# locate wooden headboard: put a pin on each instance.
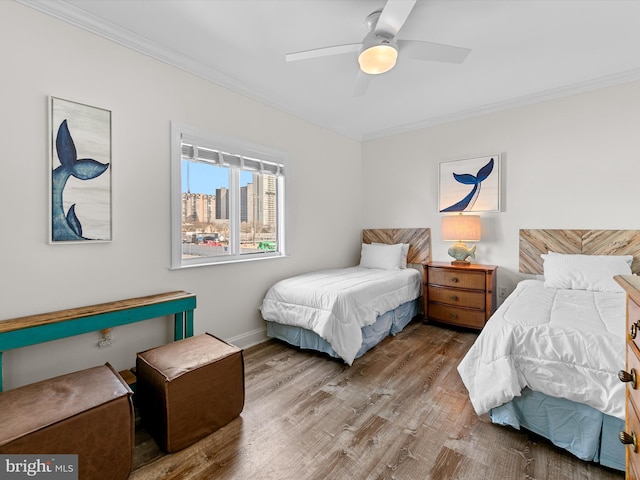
(587, 242)
(418, 238)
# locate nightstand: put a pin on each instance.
(459, 295)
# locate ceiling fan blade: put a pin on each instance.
(393, 16)
(362, 83)
(434, 52)
(322, 52)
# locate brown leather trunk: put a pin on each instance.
(88, 413)
(188, 389)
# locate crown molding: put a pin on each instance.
(69, 13)
(73, 15)
(538, 97)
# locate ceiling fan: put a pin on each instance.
(378, 51)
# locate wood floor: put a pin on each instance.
(400, 412)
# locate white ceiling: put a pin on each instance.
(523, 51)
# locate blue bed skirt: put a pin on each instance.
(389, 323)
(582, 430)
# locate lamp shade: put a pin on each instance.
(460, 228)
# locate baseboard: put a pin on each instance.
(249, 339)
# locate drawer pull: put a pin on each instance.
(634, 330)
(454, 280)
(454, 297)
(629, 377)
(454, 316)
(627, 439)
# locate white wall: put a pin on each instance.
(42, 56)
(567, 163)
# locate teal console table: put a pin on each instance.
(25, 331)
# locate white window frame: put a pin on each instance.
(238, 148)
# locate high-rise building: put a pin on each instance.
(268, 196)
(247, 203)
(258, 200)
(198, 207)
(222, 203)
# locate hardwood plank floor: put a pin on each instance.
(400, 412)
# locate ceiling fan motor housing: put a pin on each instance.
(378, 52)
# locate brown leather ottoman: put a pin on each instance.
(88, 413)
(188, 389)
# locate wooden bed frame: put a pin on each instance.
(535, 242)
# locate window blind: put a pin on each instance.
(193, 152)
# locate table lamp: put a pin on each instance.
(459, 228)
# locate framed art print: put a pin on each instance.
(470, 185)
(80, 172)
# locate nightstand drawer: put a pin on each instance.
(456, 315)
(457, 278)
(452, 296)
(632, 426)
(633, 363)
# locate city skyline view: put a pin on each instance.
(202, 211)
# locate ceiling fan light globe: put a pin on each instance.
(378, 59)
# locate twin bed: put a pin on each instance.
(547, 360)
(346, 312)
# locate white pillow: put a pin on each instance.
(403, 256)
(628, 258)
(381, 256)
(585, 272)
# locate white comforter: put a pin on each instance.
(564, 343)
(337, 303)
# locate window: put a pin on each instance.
(227, 199)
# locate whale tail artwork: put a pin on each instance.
(67, 226)
(468, 179)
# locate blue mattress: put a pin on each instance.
(389, 323)
(580, 429)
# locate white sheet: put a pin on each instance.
(337, 303)
(564, 343)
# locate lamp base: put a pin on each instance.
(461, 252)
(460, 263)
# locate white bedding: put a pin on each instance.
(337, 303)
(564, 343)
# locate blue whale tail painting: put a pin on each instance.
(67, 226)
(467, 179)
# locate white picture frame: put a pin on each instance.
(470, 185)
(80, 167)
